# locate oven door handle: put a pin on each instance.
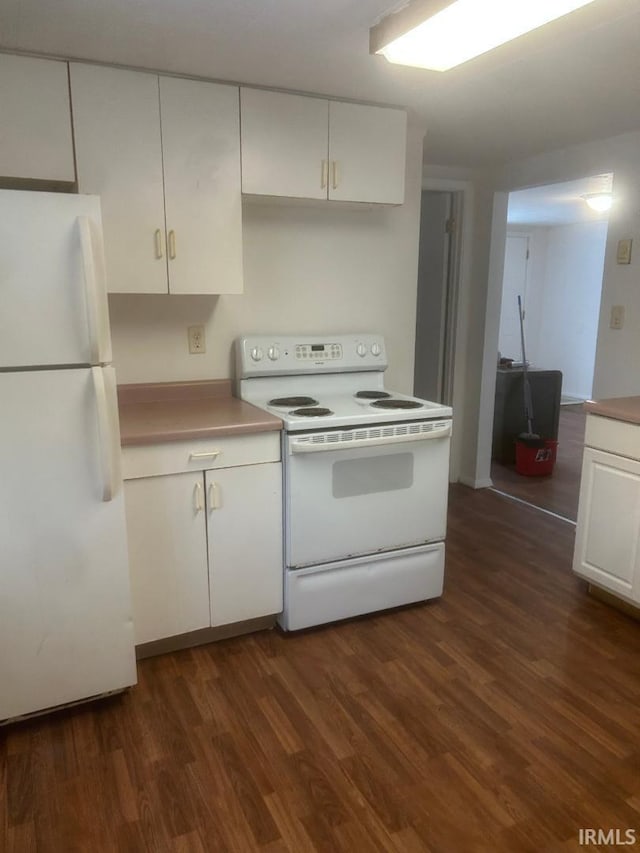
(304, 446)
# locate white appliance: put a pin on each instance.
(365, 475)
(66, 630)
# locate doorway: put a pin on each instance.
(554, 260)
(436, 308)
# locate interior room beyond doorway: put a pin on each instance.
(554, 261)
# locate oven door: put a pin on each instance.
(352, 492)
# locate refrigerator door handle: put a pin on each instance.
(108, 430)
(95, 292)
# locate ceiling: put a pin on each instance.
(558, 204)
(574, 80)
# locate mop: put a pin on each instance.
(530, 438)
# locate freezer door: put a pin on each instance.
(66, 630)
(53, 303)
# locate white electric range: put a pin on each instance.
(365, 475)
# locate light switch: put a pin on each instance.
(617, 317)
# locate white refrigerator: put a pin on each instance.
(66, 629)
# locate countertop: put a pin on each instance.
(173, 411)
(617, 408)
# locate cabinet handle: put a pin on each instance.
(334, 173)
(158, 238)
(172, 245)
(215, 498)
(204, 454)
(197, 497)
(324, 174)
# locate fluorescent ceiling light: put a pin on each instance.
(600, 202)
(439, 34)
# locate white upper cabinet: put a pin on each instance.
(201, 154)
(302, 147)
(284, 144)
(367, 153)
(35, 120)
(116, 118)
(164, 156)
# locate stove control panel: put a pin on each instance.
(261, 355)
(318, 351)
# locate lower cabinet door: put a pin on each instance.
(166, 527)
(607, 548)
(244, 516)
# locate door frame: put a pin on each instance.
(457, 313)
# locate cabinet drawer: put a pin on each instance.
(174, 457)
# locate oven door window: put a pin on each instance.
(372, 474)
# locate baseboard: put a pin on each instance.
(483, 483)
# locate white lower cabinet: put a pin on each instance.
(607, 549)
(244, 511)
(205, 546)
(167, 533)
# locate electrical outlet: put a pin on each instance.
(197, 343)
(617, 317)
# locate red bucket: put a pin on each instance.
(535, 457)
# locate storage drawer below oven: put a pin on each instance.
(320, 594)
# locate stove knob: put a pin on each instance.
(273, 353)
(361, 350)
(256, 354)
(376, 349)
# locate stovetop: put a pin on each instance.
(340, 409)
(341, 385)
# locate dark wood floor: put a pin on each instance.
(503, 717)
(558, 492)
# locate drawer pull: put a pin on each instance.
(172, 245)
(204, 454)
(215, 497)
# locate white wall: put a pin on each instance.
(618, 352)
(570, 304)
(564, 282)
(306, 269)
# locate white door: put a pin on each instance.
(367, 153)
(201, 155)
(116, 121)
(36, 123)
(66, 631)
(168, 555)
(514, 284)
(346, 502)
(52, 299)
(607, 549)
(284, 144)
(244, 508)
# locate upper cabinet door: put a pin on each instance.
(201, 152)
(116, 118)
(35, 134)
(367, 152)
(284, 144)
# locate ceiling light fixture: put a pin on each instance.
(600, 202)
(439, 34)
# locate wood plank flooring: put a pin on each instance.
(503, 717)
(558, 492)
